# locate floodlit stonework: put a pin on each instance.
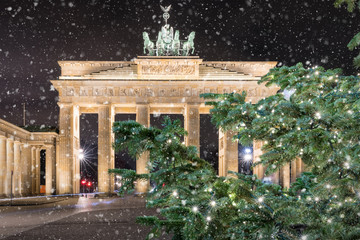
(147, 85)
(144, 86)
(20, 160)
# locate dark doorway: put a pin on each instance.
(123, 159)
(209, 141)
(42, 167)
(89, 147)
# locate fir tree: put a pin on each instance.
(319, 122)
(315, 117)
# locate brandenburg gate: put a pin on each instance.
(146, 85)
(166, 81)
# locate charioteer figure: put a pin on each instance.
(168, 44)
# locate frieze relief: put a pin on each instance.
(161, 91)
(84, 91)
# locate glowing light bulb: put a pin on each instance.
(213, 203)
(195, 209)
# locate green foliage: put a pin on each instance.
(197, 204)
(355, 42)
(318, 123)
(351, 4)
(315, 116)
(128, 177)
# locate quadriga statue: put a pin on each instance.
(148, 44)
(189, 45)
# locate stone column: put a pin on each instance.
(260, 169)
(105, 151)
(17, 171)
(68, 163)
(192, 125)
(293, 171)
(33, 170)
(9, 165)
(299, 167)
(25, 181)
(57, 166)
(228, 150)
(50, 171)
(285, 176)
(37, 170)
(142, 117)
(2, 165)
(222, 163)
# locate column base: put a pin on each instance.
(140, 194)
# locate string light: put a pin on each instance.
(195, 209)
(213, 203)
(347, 165)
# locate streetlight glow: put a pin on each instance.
(247, 157)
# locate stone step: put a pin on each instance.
(221, 74)
(114, 73)
(218, 72)
(123, 71)
(124, 68)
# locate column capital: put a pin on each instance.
(142, 104)
(49, 146)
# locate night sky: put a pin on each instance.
(35, 34)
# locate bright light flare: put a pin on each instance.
(247, 157)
